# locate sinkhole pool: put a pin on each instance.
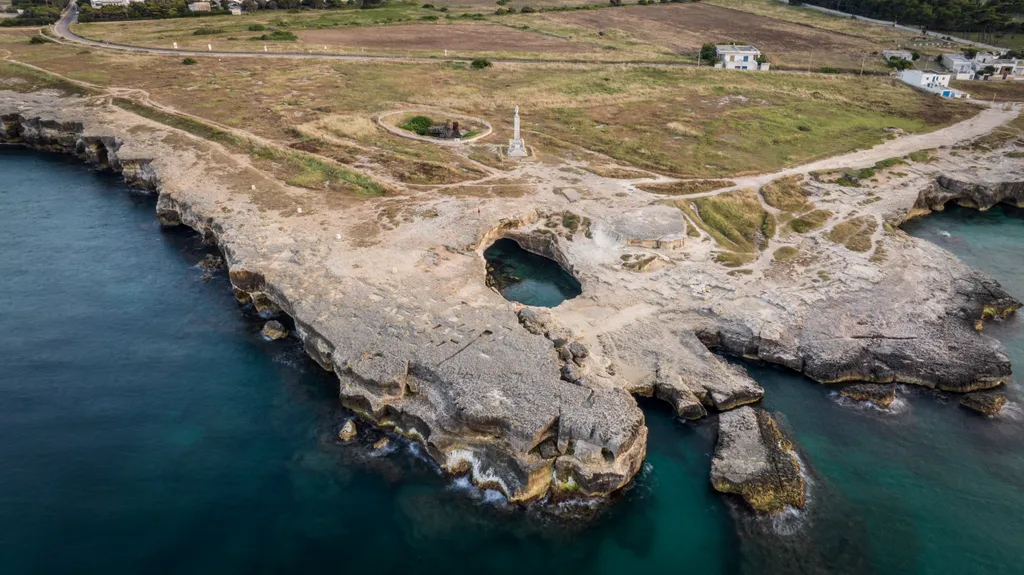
(528, 278)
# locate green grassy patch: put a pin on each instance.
(809, 221)
(854, 233)
(785, 253)
(787, 194)
(735, 220)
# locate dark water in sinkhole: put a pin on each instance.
(146, 427)
(527, 278)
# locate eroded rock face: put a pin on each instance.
(880, 395)
(973, 192)
(755, 461)
(984, 403)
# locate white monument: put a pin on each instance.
(516, 146)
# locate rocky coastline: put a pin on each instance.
(538, 404)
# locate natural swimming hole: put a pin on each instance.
(528, 278)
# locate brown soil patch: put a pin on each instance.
(685, 27)
(468, 37)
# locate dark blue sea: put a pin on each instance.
(146, 427)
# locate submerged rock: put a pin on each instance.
(382, 443)
(880, 395)
(273, 329)
(211, 263)
(984, 403)
(754, 460)
(347, 431)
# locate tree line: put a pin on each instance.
(35, 12)
(938, 15)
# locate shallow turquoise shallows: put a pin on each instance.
(146, 427)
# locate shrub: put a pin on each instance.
(280, 36)
(528, 10)
(417, 125)
(480, 63)
(204, 31)
(257, 28)
(502, 2)
(829, 70)
(707, 52)
(429, 18)
(615, 2)
(915, 56)
(37, 39)
(188, 61)
(428, 6)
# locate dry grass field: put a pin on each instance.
(466, 37)
(685, 27)
(688, 122)
(793, 37)
(992, 90)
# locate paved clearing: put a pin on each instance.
(685, 27)
(466, 37)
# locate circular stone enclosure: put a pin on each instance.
(477, 128)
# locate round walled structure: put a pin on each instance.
(448, 115)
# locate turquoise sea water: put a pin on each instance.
(528, 278)
(145, 426)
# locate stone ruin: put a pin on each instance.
(447, 131)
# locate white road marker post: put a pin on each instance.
(175, 45)
(209, 47)
(264, 47)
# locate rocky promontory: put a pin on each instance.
(881, 396)
(389, 294)
(984, 403)
(755, 461)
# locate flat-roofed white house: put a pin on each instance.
(932, 81)
(102, 3)
(898, 54)
(199, 6)
(735, 57)
(960, 66)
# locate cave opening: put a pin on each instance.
(528, 278)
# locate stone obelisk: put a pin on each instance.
(516, 146)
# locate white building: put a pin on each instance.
(932, 81)
(965, 68)
(960, 66)
(898, 54)
(199, 6)
(102, 3)
(733, 57)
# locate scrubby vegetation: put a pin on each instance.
(785, 253)
(188, 61)
(279, 36)
(417, 125)
(809, 221)
(295, 168)
(735, 220)
(787, 194)
(480, 63)
(686, 187)
(855, 233)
